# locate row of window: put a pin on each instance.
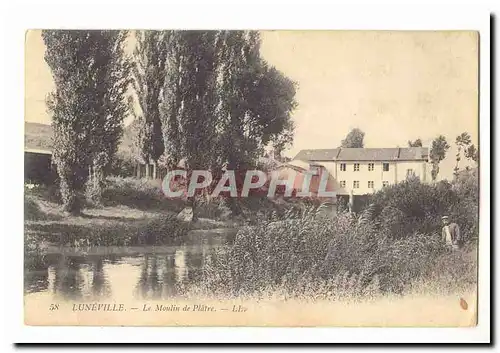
(371, 167)
(371, 184)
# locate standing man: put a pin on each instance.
(451, 234)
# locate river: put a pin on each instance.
(147, 272)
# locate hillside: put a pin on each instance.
(39, 136)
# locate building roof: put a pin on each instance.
(365, 154)
(37, 137)
(318, 155)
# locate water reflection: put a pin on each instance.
(153, 273)
(68, 278)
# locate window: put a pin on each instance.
(355, 184)
(386, 167)
(385, 183)
(371, 166)
(356, 167)
(371, 184)
(342, 183)
(342, 167)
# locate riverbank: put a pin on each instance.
(116, 229)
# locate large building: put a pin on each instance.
(362, 171)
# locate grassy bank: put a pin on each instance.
(133, 213)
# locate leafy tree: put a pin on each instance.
(471, 153)
(189, 100)
(87, 105)
(172, 100)
(437, 154)
(354, 139)
(416, 143)
(111, 81)
(222, 104)
(462, 141)
(197, 115)
(255, 103)
(150, 57)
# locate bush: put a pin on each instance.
(318, 258)
(49, 193)
(166, 229)
(144, 194)
(123, 167)
(411, 206)
(32, 210)
(388, 248)
(213, 208)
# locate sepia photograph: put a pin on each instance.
(277, 178)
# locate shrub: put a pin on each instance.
(144, 194)
(165, 229)
(213, 208)
(32, 210)
(313, 256)
(122, 166)
(411, 206)
(49, 193)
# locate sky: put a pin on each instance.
(394, 85)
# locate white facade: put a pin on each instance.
(369, 177)
(365, 176)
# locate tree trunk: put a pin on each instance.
(191, 202)
(71, 201)
(233, 206)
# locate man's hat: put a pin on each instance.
(444, 217)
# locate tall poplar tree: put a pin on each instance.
(87, 105)
(150, 57)
(437, 153)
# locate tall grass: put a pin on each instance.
(394, 246)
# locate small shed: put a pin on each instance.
(38, 164)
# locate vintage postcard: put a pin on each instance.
(251, 178)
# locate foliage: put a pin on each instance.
(416, 143)
(144, 194)
(32, 210)
(465, 211)
(50, 193)
(87, 106)
(354, 139)
(412, 206)
(437, 154)
(472, 153)
(195, 119)
(150, 57)
(328, 259)
(164, 229)
(122, 166)
(462, 141)
(222, 103)
(393, 246)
